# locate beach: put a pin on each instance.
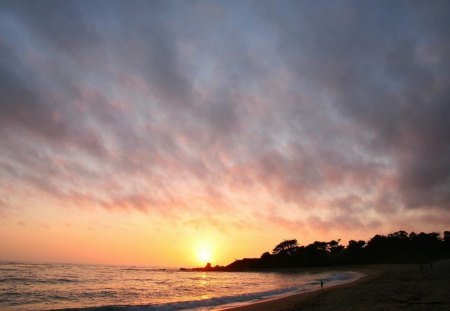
(385, 287)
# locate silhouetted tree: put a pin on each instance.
(397, 247)
(446, 246)
(446, 236)
(336, 252)
(399, 235)
(285, 246)
(265, 255)
(355, 252)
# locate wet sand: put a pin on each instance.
(386, 287)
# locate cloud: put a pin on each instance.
(204, 113)
(383, 67)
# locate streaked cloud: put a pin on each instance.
(330, 116)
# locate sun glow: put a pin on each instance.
(204, 255)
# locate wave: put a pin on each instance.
(66, 294)
(342, 276)
(38, 281)
(196, 304)
(144, 269)
(337, 278)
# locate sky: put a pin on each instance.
(155, 132)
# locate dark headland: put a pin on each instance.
(396, 248)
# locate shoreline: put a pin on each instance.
(385, 287)
(289, 302)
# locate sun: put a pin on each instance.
(204, 254)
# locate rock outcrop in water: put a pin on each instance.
(208, 267)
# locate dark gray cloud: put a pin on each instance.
(323, 109)
(383, 66)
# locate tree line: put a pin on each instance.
(397, 247)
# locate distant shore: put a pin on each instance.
(385, 287)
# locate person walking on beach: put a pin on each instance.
(321, 284)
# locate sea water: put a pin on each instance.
(90, 287)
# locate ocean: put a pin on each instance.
(28, 287)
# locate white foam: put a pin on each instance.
(330, 279)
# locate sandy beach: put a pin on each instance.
(386, 287)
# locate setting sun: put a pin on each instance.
(204, 254)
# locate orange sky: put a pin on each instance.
(146, 133)
(77, 235)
